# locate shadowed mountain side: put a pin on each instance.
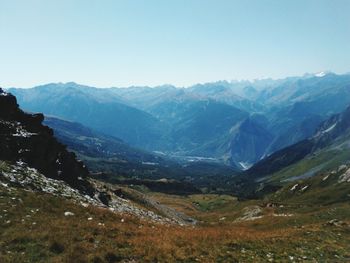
(25, 139)
(332, 131)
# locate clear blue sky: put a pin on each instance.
(150, 42)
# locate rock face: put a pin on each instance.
(249, 142)
(24, 138)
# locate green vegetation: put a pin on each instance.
(325, 160)
(211, 202)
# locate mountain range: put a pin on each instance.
(72, 188)
(236, 123)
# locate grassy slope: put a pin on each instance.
(323, 160)
(56, 238)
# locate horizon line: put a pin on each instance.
(230, 81)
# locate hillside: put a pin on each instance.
(332, 134)
(25, 139)
(94, 144)
(31, 159)
(326, 150)
(42, 227)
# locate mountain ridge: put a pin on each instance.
(172, 120)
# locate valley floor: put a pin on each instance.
(38, 227)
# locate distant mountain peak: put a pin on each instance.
(318, 74)
(322, 73)
(71, 83)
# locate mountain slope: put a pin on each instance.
(324, 89)
(98, 109)
(96, 144)
(114, 161)
(25, 139)
(297, 105)
(213, 129)
(249, 142)
(107, 154)
(198, 122)
(228, 93)
(332, 139)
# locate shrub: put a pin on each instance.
(111, 257)
(56, 247)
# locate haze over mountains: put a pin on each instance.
(332, 134)
(155, 136)
(301, 189)
(236, 123)
(326, 149)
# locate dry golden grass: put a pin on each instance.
(57, 238)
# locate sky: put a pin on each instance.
(121, 43)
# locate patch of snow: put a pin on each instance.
(321, 74)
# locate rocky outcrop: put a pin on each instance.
(24, 138)
(19, 175)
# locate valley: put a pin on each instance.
(210, 179)
(227, 230)
(187, 131)
(232, 122)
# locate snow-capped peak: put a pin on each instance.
(321, 74)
